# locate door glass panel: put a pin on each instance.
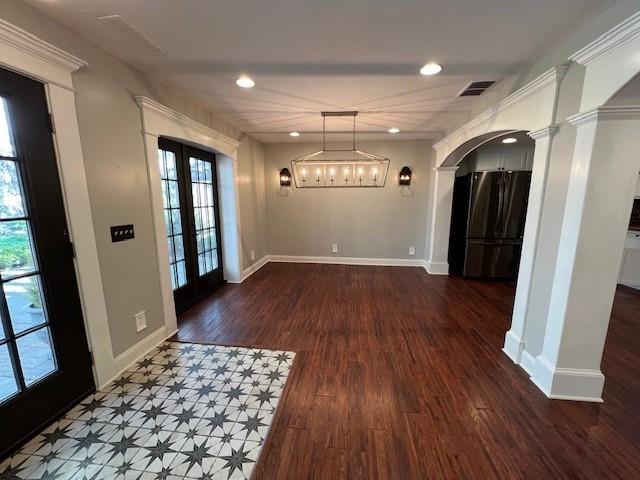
(8, 384)
(36, 355)
(7, 148)
(16, 253)
(172, 218)
(204, 215)
(24, 299)
(11, 205)
(19, 280)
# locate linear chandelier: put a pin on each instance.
(339, 168)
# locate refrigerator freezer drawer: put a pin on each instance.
(492, 259)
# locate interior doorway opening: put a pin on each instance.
(490, 199)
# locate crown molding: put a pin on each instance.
(605, 112)
(543, 132)
(149, 105)
(553, 76)
(618, 36)
(31, 45)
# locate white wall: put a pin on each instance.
(115, 163)
(367, 222)
(251, 183)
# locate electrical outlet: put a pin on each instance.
(253, 255)
(141, 320)
(412, 250)
(334, 248)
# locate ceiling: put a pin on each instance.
(307, 56)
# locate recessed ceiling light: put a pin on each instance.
(431, 69)
(245, 82)
(295, 134)
(510, 140)
(394, 130)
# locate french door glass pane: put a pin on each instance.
(16, 252)
(24, 299)
(25, 329)
(36, 355)
(8, 384)
(204, 215)
(11, 204)
(172, 218)
(7, 148)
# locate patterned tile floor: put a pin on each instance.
(184, 411)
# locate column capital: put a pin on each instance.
(543, 132)
(606, 112)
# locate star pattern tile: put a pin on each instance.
(184, 411)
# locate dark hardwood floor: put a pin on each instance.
(401, 375)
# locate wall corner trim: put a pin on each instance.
(609, 41)
(36, 47)
(606, 112)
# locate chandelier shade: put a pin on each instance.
(339, 168)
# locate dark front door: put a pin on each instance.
(45, 365)
(190, 198)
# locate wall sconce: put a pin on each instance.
(405, 176)
(285, 177)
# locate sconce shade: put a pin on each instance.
(285, 177)
(405, 176)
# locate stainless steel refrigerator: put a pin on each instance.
(487, 224)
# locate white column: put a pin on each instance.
(599, 200)
(438, 262)
(514, 339)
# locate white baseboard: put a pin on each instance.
(567, 383)
(513, 346)
(383, 262)
(139, 350)
(527, 362)
(247, 272)
(437, 268)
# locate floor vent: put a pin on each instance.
(475, 89)
(122, 26)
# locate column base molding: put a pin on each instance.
(567, 383)
(437, 268)
(513, 346)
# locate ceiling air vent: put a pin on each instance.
(122, 26)
(475, 89)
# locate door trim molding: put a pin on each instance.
(161, 121)
(24, 53)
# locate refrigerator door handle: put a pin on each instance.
(506, 197)
(498, 223)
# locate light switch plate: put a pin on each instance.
(141, 320)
